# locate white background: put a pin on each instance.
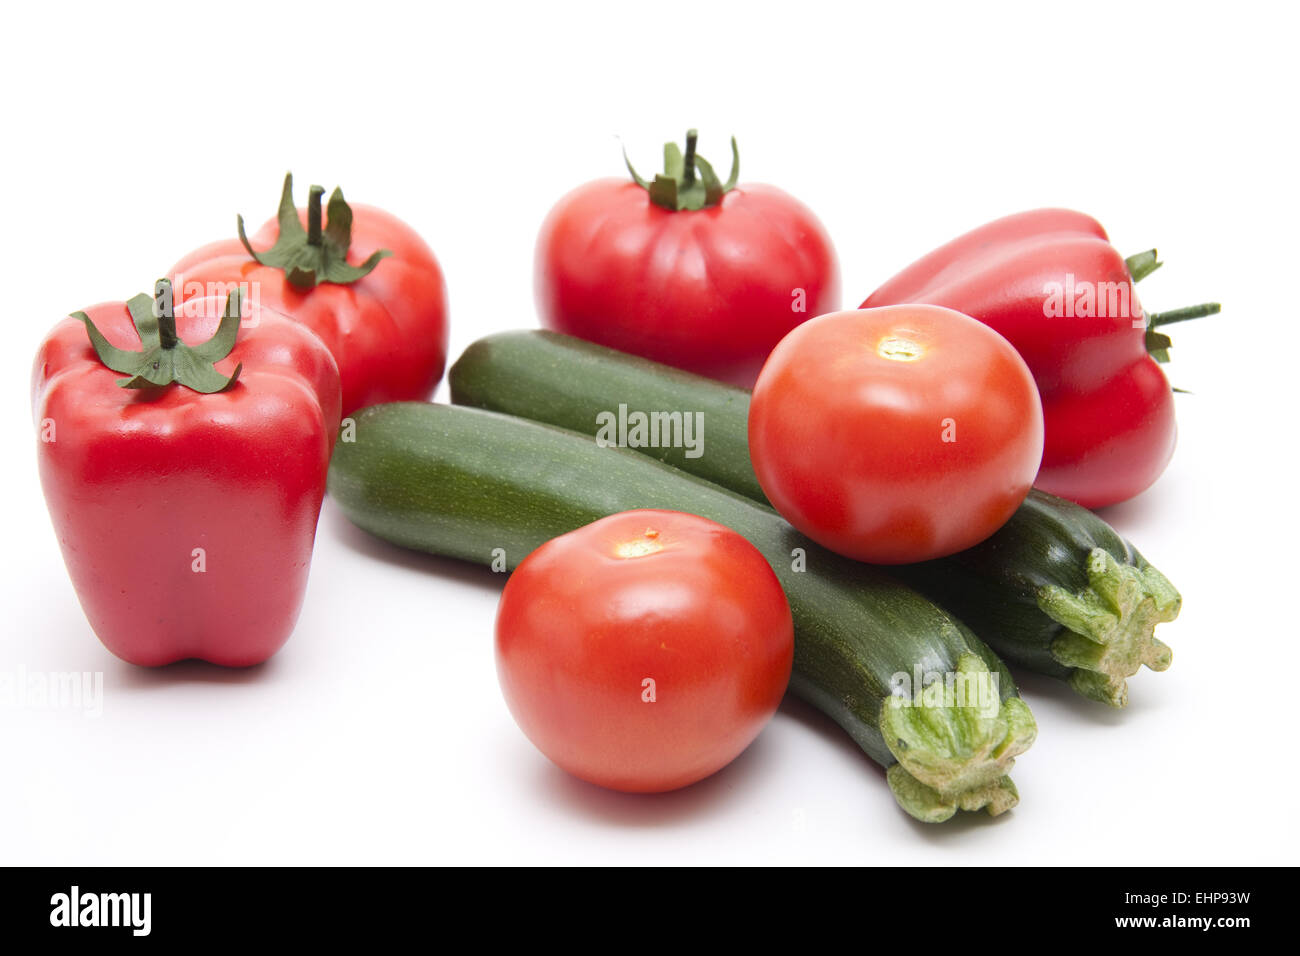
(378, 734)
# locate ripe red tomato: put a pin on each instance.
(644, 651)
(709, 289)
(364, 282)
(896, 435)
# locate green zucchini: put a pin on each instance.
(1065, 593)
(480, 486)
(1057, 590)
(569, 382)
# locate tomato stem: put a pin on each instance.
(688, 181)
(688, 159)
(314, 215)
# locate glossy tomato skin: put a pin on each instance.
(387, 331)
(1108, 408)
(137, 479)
(589, 618)
(711, 290)
(895, 435)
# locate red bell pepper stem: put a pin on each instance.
(1143, 264)
(1182, 315)
(163, 310)
(1139, 267)
(163, 358)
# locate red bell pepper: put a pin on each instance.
(1052, 284)
(363, 281)
(185, 496)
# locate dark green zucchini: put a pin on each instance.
(1056, 590)
(569, 382)
(1066, 595)
(465, 483)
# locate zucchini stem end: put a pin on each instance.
(1110, 625)
(955, 740)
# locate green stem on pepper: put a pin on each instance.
(163, 358)
(1142, 265)
(1156, 319)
